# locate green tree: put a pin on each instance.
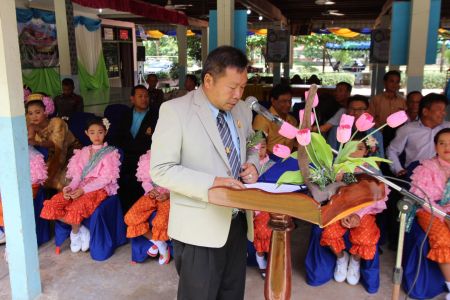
(194, 48)
(255, 46)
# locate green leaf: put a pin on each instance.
(322, 151)
(291, 177)
(348, 149)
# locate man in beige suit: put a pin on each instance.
(200, 142)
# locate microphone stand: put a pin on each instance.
(404, 206)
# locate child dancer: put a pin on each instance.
(38, 172)
(432, 178)
(364, 232)
(93, 171)
(263, 232)
(154, 198)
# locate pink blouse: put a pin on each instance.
(103, 176)
(431, 177)
(38, 168)
(143, 174)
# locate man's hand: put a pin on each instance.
(351, 221)
(228, 182)
(163, 197)
(153, 193)
(249, 173)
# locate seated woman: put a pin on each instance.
(364, 232)
(93, 171)
(38, 172)
(263, 232)
(156, 199)
(52, 134)
(430, 180)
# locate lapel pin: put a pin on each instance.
(239, 125)
(227, 150)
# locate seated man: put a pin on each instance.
(134, 137)
(156, 96)
(69, 102)
(190, 84)
(341, 94)
(388, 102)
(356, 106)
(416, 138)
(281, 99)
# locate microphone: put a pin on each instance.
(254, 105)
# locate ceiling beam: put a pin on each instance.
(386, 7)
(194, 22)
(265, 9)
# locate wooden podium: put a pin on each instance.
(283, 206)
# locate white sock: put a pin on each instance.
(353, 261)
(162, 247)
(262, 262)
(448, 285)
(342, 258)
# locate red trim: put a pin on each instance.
(137, 7)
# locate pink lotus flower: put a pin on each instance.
(364, 122)
(49, 105)
(397, 119)
(302, 113)
(343, 133)
(281, 151)
(347, 120)
(287, 130)
(316, 99)
(304, 137)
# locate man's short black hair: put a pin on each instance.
(408, 97)
(347, 85)
(224, 57)
(429, 100)
(68, 82)
(137, 87)
(280, 89)
(358, 98)
(391, 73)
(152, 75)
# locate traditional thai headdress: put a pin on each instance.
(46, 100)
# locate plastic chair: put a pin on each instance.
(106, 226)
(77, 124)
(430, 281)
(320, 262)
(114, 113)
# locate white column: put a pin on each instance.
(15, 180)
(182, 54)
(420, 14)
(225, 22)
(63, 38)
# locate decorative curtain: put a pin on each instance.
(92, 71)
(91, 64)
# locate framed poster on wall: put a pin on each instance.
(278, 43)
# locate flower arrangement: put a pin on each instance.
(324, 166)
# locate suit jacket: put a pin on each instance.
(187, 155)
(134, 147)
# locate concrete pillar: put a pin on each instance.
(15, 175)
(205, 34)
(67, 49)
(377, 83)
(420, 14)
(276, 73)
(182, 54)
(225, 22)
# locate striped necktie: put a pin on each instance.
(230, 149)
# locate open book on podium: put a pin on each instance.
(264, 197)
